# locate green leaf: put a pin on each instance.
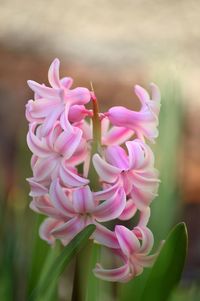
(93, 283)
(168, 267)
(38, 256)
(166, 148)
(133, 289)
(61, 262)
(50, 258)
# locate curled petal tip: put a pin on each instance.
(141, 94)
(155, 92)
(56, 61)
(55, 64)
(31, 83)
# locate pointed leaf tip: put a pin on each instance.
(166, 272)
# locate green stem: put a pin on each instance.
(93, 285)
(76, 292)
(96, 125)
(86, 285)
(82, 271)
(96, 144)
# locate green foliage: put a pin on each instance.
(165, 208)
(134, 288)
(51, 273)
(40, 249)
(167, 270)
(186, 294)
(22, 254)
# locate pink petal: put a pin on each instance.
(49, 121)
(114, 275)
(43, 91)
(116, 156)
(41, 107)
(28, 115)
(64, 119)
(83, 200)
(39, 206)
(105, 237)
(70, 178)
(78, 112)
(60, 199)
(111, 208)
(49, 211)
(105, 125)
(77, 96)
(140, 154)
(106, 193)
(33, 206)
(155, 92)
(136, 154)
(66, 82)
(154, 104)
(126, 182)
(144, 217)
(129, 211)
(147, 261)
(81, 154)
(36, 188)
(45, 229)
(143, 191)
(122, 117)
(141, 198)
(86, 129)
(36, 145)
(136, 267)
(143, 123)
(141, 94)
(117, 135)
(53, 74)
(44, 167)
(128, 241)
(68, 230)
(147, 128)
(34, 159)
(106, 171)
(148, 177)
(146, 237)
(53, 134)
(67, 142)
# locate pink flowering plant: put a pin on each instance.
(94, 168)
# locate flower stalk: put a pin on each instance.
(96, 141)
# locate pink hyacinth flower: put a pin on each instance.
(53, 102)
(135, 172)
(143, 123)
(55, 155)
(88, 208)
(134, 248)
(69, 143)
(80, 207)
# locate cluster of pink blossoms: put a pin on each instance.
(91, 168)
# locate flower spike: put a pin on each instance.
(92, 168)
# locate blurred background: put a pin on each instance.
(114, 44)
